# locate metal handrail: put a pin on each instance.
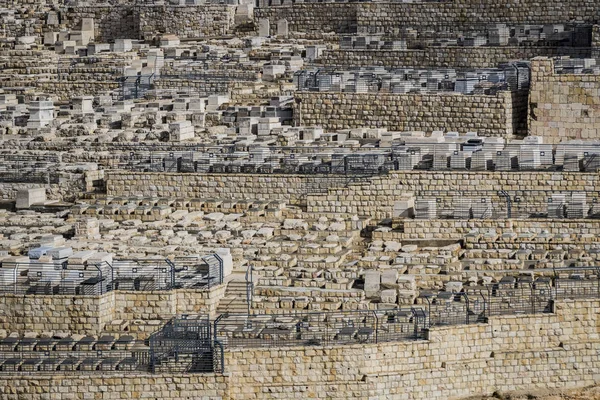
(249, 286)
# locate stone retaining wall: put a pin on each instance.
(377, 199)
(198, 87)
(69, 187)
(389, 17)
(501, 115)
(374, 197)
(91, 314)
(510, 353)
(185, 21)
(116, 386)
(289, 188)
(146, 21)
(311, 18)
(110, 22)
(565, 106)
(440, 229)
(451, 57)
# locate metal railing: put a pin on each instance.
(513, 204)
(55, 278)
(29, 168)
(317, 329)
(105, 354)
(249, 277)
(92, 279)
(185, 345)
(468, 153)
(143, 275)
(576, 283)
(510, 76)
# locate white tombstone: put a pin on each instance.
(87, 31)
(50, 38)
(372, 283)
(182, 130)
(169, 41)
(273, 72)
(215, 100)
(314, 52)
(264, 27)
(244, 13)
(41, 113)
(27, 197)
(83, 104)
(95, 48)
(225, 255)
(156, 59)
(52, 18)
(122, 45)
(282, 28)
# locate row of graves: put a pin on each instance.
(509, 76)
(48, 270)
(369, 151)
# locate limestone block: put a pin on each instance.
(27, 197)
(388, 296)
(372, 283)
(389, 277)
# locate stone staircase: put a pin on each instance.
(235, 299)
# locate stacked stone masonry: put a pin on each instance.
(372, 198)
(92, 314)
(556, 351)
(388, 17)
(565, 106)
(436, 57)
(499, 115)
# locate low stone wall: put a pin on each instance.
(330, 194)
(451, 57)
(440, 229)
(117, 386)
(501, 115)
(377, 199)
(389, 17)
(565, 106)
(510, 353)
(185, 21)
(311, 18)
(110, 22)
(290, 188)
(202, 88)
(91, 314)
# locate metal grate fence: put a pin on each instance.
(317, 329)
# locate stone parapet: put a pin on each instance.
(500, 115)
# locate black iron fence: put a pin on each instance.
(104, 354)
(29, 168)
(195, 344)
(55, 278)
(317, 329)
(185, 345)
(467, 153)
